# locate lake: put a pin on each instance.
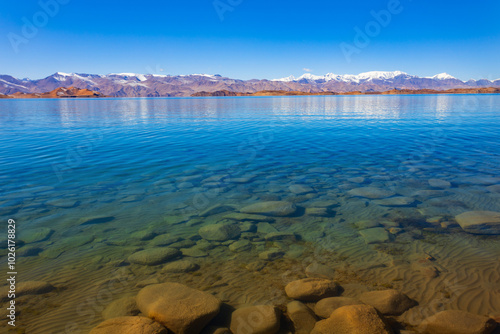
(248, 194)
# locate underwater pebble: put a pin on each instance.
(312, 289)
(243, 320)
(154, 256)
(181, 309)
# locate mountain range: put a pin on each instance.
(155, 85)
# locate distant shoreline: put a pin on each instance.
(77, 93)
(489, 90)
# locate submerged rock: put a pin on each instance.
(266, 228)
(364, 224)
(154, 256)
(319, 212)
(179, 308)
(395, 201)
(122, 307)
(353, 319)
(312, 289)
(300, 189)
(371, 192)
(325, 307)
(457, 322)
(274, 236)
(220, 232)
(216, 209)
(96, 220)
(164, 240)
(181, 266)
(303, 317)
(272, 254)
(240, 246)
(129, 325)
(38, 234)
(196, 251)
(27, 288)
(438, 183)
(261, 319)
(388, 302)
(375, 235)
(479, 222)
(271, 208)
(248, 217)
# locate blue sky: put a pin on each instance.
(250, 38)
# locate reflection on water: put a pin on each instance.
(375, 181)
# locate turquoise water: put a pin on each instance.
(108, 176)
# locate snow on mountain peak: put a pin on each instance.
(287, 79)
(441, 76)
(61, 76)
(366, 76)
(140, 77)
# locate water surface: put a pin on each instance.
(110, 176)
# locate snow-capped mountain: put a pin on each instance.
(367, 76)
(155, 85)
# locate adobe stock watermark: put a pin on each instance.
(223, 6)
(373, 28)
(29, 30)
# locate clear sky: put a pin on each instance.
(250, 38)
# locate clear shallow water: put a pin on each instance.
(98, 171)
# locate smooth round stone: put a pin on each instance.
(318, 212)
(395, 201)
(312, 289)
(272, 254)
(479, 222)
(438, 183)
(388, 302)
(122, 307)
(181, 266)
(240, 246)
(355, 319)
(154, 256)
(261, 319)
(194, 252)
(375, 235)
(220, 232)
(457, 322)
(129, 325)
(371, 192)
(300, 189)
(181, 309)
(143, 235)
(325, 307)
(183, 244)
(358, 179)
(27, 288)
(303, 317)
(164, 240)
(32, 235)
(271, 208)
